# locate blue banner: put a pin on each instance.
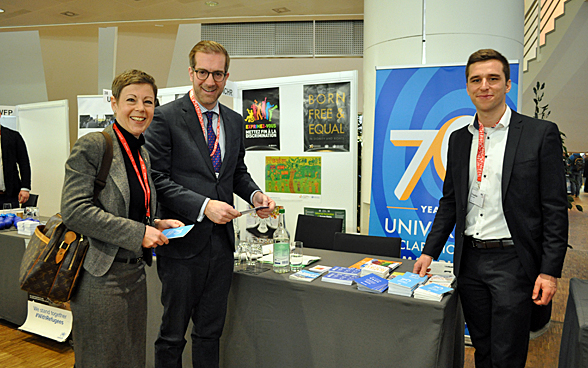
(416, 111)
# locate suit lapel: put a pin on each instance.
(118, 172)
(193, 126)
(230, 134)
(515, 129)
(463, 162)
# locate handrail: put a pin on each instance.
(539, 20)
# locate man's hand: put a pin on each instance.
(260, 199)
(153, 238)
(23, 196)
(422, 265)
(167, 224)
(545, 288)
(220, 212)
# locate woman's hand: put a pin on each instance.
(153, 238)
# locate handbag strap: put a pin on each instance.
(100, 181)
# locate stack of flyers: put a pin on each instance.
(304, 275)
(372, 283)
(405, 285)
(431, 292)
(320, 269)
(381, 271)
(443, 280)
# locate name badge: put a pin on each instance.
(477, 198)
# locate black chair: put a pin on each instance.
(366, 244)
(317, 232)
(32, 201)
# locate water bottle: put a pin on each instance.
(281, 246)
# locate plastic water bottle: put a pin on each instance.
(281, 246)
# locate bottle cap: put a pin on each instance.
(282, 210)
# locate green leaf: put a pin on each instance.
(579, 208)
(543, 85)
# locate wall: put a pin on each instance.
(70, 62)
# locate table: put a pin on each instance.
(574, 340)
(13, 301)
(273, 321)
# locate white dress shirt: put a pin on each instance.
(488, 222)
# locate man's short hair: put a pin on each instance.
(132, 76)
(209, 47)
(488, 54)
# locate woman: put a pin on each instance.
(110, 304)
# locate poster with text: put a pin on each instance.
(261, 112)
(326, 117)
(416, 111)
(293, 174)
(326, 212)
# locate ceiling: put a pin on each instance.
(35, 13)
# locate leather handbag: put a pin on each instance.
(53, 259)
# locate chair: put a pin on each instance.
(374, 245)
(31, 202)
(317, 232)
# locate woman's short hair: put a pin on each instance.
(132, 76)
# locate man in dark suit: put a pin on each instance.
(15, 176)
(505, 193)
(197, 153)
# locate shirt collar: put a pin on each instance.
(504, 121)
(215, 109)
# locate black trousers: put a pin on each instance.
(196, 288)
(495, 293)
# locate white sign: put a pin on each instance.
(54, 323)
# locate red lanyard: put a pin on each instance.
(199, 113)
(481, 155)
(143, 181)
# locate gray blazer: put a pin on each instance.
(106, 225)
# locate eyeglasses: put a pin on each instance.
(202, 74)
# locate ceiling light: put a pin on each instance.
(69, 14)
(281, 10)
(1, 10)
(211, 3)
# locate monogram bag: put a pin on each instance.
(53, 259)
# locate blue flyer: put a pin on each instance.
(177, 232)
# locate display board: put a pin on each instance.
(309, 157)
(45, 128)
(417, 108)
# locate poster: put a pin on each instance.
(94, 114)
(326, 117)
(416, 111)
(326, 212)
(261, 113)
(293, 174)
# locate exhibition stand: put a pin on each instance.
(272, 321)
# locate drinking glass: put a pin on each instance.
(256, 251)
(296, 256)
(7, 206)
(245, 254)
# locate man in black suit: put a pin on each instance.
(197, 152)
(15, 176)
(505, 193)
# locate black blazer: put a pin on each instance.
(534, 196)
(183, 174)
(14, 152)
